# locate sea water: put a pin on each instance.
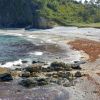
(13, 48)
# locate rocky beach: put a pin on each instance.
(62, 62)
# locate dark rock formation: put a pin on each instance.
(78, 74)
(5, 77)
(32, 82)
(15, 13)
(19, 14)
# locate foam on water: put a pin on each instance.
(11, 64)
(37, 53)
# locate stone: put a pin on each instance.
(76, 66)
(34, 74)
(59, 66)
(42, 82)
(34, 62)
(26, 74)
(5, 77)
(33, 68)
(24, 61)
(64, 74)
(33, 82)
(78, 74)
(28, 83)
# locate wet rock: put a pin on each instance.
(24, 61)
(5, 77)
(34, 62)
(2, 63)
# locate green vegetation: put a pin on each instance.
(66, 12)
(46, 13)
(95, 25)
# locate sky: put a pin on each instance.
(82, 0)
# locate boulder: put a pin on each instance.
(78, 74)
(76, 66)
(5, 77)
(24, 61)
(34, 62)
(33, 82)
(28, 83)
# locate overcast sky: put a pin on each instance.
(83, 0)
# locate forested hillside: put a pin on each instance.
(45, 13)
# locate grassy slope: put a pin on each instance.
(93, 25)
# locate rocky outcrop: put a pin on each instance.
(15, 13)
(20, 13)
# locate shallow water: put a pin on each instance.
(13, 48)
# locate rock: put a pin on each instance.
(2, 63)
(78, 74)
(34, 62)
(42, 22)
(4, 70)
(59, 66)
(76, 66)
(28, 83)
(42, 82)
(5, 77)
(18, 69)
(55, 76)
(64, 74)
(34, 74)
(33, 68)
(48, 75)
(79, 62)
(10, 16)
(32, 82)
(24, 62)
(54, 80)
(16, 73)
(26, 74)
(63, 81)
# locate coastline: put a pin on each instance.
(83, 88)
